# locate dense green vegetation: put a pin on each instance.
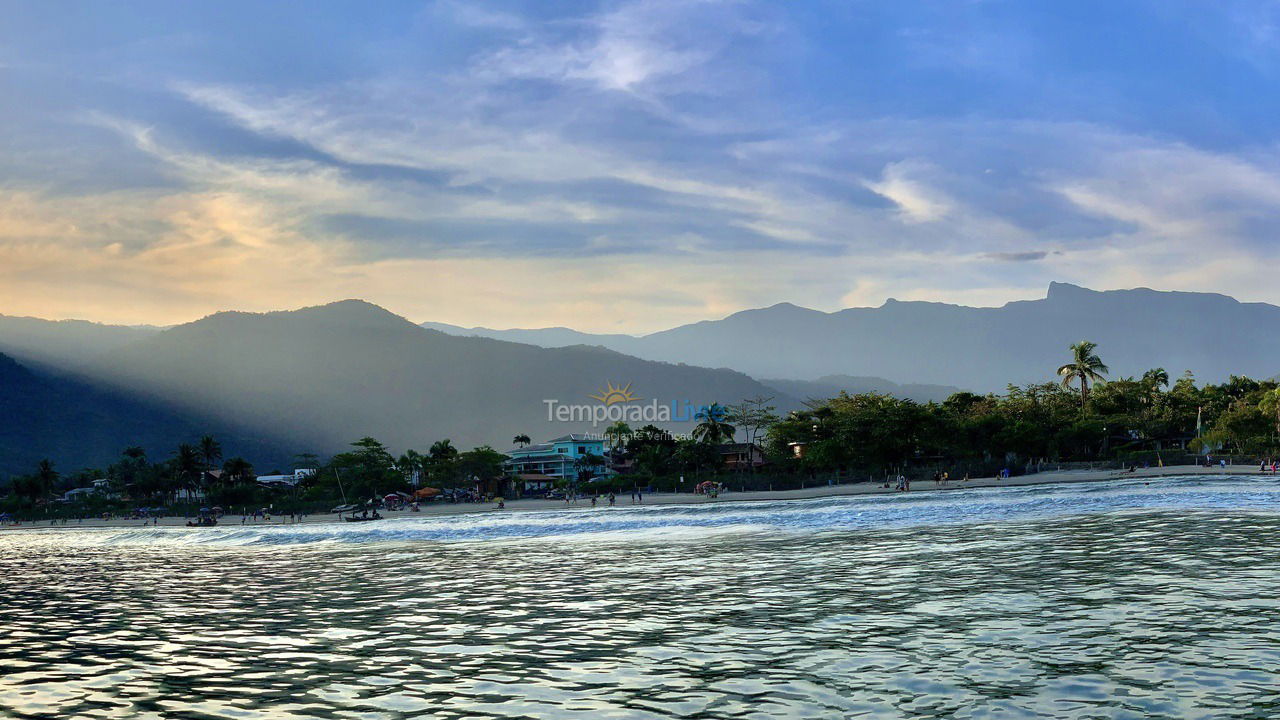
(1084, 417)
(1131, 419)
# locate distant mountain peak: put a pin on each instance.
(351, 312)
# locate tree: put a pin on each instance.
(443, 450)
(522, 440)
(413, 465)
(210, 451)
(617, 435)
(237, 470)
(365, 471)
(44, 478)
(754, 416)
(483, 462)
(186, 466)
(442, 465)
(712, 427)
(586, 466)
(1155, 378)
(1085, 367)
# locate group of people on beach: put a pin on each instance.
(637, 498)
(1269, 466)
(940, 480)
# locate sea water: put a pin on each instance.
(1091, 600)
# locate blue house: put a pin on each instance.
(539, 466)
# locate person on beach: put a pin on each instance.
(612, 499)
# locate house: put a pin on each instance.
(741, 456)
(286, 481)
(553, 460)
(76, 494)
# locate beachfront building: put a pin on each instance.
(741, 456)
(542, 465)
(286, 481)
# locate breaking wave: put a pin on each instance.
(677, 522)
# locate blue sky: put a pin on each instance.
(629, 166)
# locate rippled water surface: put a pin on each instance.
(1073, 601)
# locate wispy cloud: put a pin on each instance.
(700, 156)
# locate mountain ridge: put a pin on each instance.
(977, 348)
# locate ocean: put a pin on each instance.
(1113, 600)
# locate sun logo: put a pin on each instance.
(612, 395)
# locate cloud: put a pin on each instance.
(532, 167)
(917, 202)
(1028, 256)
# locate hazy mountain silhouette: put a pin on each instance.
(324, 376)
(832, 385)
(78, 425)
(544, 337)
(64, 343)
(979, 349)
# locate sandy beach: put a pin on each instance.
(818, 491)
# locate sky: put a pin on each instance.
(630, 166)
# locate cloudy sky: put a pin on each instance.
(628, 166)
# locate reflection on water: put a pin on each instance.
(1065, 602)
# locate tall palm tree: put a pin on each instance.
(210, 451)
(521, 440)
(617, 434)
(443, 460)
(45, 477)
(712, 428)
(1085, 367)
(411, 463)
(187, 464)
(1152, 381)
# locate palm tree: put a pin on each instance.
(443, 450)
(45, 477)
(210, 451)
(617, 434)
(1084, 367)
(443, 460)
(1156, 378)
(236, 470)
(186, 467)
(411, 463)
(712, 428)
(521, 440)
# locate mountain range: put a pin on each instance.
(978, 349)
(315, 379)
(321, 377)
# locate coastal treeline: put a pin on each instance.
(1083, 416)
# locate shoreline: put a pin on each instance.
(1050, 477)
